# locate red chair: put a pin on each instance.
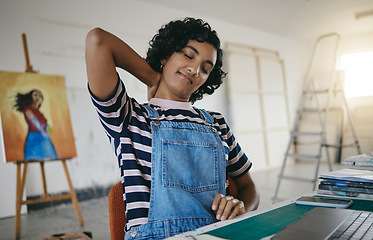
(117, 211)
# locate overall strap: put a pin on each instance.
(152, 113)
(206, 116)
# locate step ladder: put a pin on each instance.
(316, 100)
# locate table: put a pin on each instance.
(258, 225)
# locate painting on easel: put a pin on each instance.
(35, 117)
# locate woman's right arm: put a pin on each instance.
(103, 53)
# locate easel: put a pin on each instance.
(21, 177)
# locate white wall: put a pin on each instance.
(56, 33)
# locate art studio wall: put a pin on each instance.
(56, 32)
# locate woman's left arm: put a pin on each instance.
(247, 192)
(227, 207)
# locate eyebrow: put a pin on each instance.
(196, 51)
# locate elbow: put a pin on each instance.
(95, 37)
(253, 203)
(256, 199)
(253, 199)
(256, 203)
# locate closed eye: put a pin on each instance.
(188, 56)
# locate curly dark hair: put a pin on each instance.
(23, 100)
(174, 36)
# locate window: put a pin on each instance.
(358, 69)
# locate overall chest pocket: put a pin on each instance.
(191, 166)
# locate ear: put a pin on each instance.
(163, 63)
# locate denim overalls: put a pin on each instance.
(188, 170)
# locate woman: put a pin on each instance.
(174, 158)
(38, 145)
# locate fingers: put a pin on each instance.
(216, 202)
(227, 207)
(238, 209)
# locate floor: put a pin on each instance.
(61, 219)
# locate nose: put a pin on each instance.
(194, 69)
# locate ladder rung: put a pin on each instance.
(306, 134)
(309, 110)
(316, 110)
(301, 156)
(297, 179)
(331, 145)
(322, 91)
(340, 146)
(316, 91)
(349, 145)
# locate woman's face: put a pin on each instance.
(37, 98)
(185, 71)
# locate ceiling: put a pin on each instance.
(300, 19)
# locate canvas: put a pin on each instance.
(35, 117)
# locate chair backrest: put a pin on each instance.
(117, 211)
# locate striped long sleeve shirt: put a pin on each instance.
(128, 128)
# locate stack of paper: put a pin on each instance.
(348, 183)
(365, 159)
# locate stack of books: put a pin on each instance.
(347, 183)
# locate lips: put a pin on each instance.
(187, 77)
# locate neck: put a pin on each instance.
(169, 104)
(170, 96)
(35, 105)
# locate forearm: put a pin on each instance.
(104, 52)
(126, 58)
(250, 197)
(247, 192)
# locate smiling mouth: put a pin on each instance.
(187, 77)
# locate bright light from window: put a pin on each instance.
(358, 69)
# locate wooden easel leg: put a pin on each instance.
(74, 199)
(19, 196)
(18, 202)
(23, 179)
(45, 191)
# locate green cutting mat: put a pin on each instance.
(273, 221)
